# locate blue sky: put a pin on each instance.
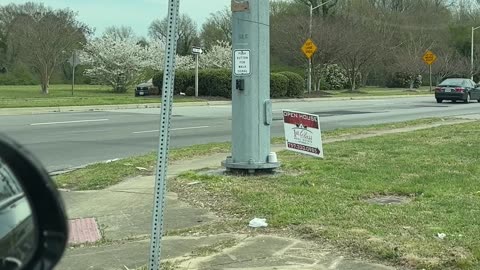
(135, 13)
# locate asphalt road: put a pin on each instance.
(66, 140)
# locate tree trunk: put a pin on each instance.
(44, 83)
(353, 80)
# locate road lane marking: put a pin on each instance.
(173, 129)
(146, 131)
(69, 122)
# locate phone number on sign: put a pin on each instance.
(302, 147)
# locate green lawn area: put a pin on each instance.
(371, 91)
(436, 170)
(61, 95)
(102, 175)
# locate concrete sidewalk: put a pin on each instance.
(41, 110)
(123, 214)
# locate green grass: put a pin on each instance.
(369, 129)
(102, 175)
(61, 95)
(324, 200)
(371, 91)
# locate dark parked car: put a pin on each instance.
(146, 89)
(457, 89)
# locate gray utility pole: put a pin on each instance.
(310, 26)
(251, 104)
(471, 52)
(164, 139)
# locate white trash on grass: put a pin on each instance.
(258, 223)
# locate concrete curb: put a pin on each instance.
(41, 110)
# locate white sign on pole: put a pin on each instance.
(74, 60)
(197, 50)
(303, 133)
(241, 62)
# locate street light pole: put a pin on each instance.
(310, 26)
(310, 59)
(471, 51)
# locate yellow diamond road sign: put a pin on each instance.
(429, 57)
(309, 48)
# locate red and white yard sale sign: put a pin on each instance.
(302, 133)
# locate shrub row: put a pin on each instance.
(218, 83)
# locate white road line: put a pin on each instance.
(186, 128)
(69, 122)
(173, 129)
(146, 131)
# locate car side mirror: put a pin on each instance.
(33, 227)
(477, 85)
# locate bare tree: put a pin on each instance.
(218, 27)
(449, 63)
(45, 39)
(357, 51)
(8, 15)
(187, 33)
(408, 57)
(326, 8)
(120, 32)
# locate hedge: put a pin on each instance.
(183, 79)
(402, 80)
(278, 85)
(295, 84)
(218, 82)
(215, 83)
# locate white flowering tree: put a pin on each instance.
(123, 62)
(219, 56)
(116, 62)
(156, 55)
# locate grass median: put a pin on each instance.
(433, 174)
(102, 175)
(371, 91)
(18, 96)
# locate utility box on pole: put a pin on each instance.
(251, 104)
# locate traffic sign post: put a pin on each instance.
(164, 138)
(196, 51)
(74, 62)
(309, 48)
(429, 58)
